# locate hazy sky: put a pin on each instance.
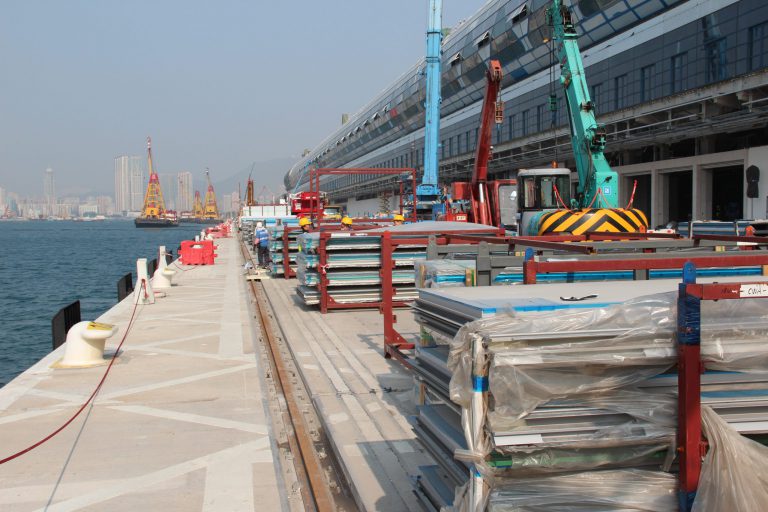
(218, 83)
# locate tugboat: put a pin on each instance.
(154, 214)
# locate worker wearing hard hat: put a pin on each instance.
(346, 224)
(398, 220)
(305, 224)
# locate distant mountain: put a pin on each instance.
(268, 172)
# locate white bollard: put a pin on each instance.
(85, 345)
(143, 294)
(163, 275)
(161, 262)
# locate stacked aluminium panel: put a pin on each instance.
(352, 268)
(352, 263)
(568, 401)
(276, 253)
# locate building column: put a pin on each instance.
(657, 198)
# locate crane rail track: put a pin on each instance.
(322, 486)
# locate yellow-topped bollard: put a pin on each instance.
(85, 344)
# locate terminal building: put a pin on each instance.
(680, 85)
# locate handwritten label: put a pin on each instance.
(753, 290)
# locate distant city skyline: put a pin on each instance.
(206, 80)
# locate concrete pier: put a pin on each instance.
(180, 424)
(186, 419)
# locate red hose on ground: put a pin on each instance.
(90, 398)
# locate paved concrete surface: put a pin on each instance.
(180, 423)
(363, 399)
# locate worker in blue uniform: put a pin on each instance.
(261, 241)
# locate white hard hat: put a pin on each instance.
(259, 224)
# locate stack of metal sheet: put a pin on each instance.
(276, 249)
(622, 490)
(353, 261)
(570, 387)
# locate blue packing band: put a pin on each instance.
(479, 383)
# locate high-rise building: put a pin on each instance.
(49, 191)
(129, 184)
(169, 183)
(184, 192)
(2, 200)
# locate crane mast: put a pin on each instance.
(429, 190)
(492, 108)
(211, 209)
(154, 206)
(598, 183)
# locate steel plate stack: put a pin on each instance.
(555, 380)
(276, 249)
(353, 262)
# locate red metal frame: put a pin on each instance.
(314, 183)
(394, 342)
(691, 446)
(326, 301)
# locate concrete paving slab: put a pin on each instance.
(357, 394)
(180, 424)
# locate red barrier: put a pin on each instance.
(197, 253)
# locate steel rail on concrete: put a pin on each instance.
(315, 488)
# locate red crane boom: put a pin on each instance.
(481, 208)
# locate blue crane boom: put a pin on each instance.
(429, 190)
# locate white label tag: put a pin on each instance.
(753, 290)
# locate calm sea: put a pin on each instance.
(45, 265)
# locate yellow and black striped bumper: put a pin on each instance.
(601, 220)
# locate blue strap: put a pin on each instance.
(479, 383)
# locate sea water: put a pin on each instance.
(46, 265)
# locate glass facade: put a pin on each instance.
(707, 44)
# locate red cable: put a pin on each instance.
(193, 267)
(632, 197)
(560, 199)
(90, 398)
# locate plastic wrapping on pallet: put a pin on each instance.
(734, 474)
(598, 420)
(625, 490)
(444, 273)
(536, 358)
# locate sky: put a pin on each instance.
(217, 84)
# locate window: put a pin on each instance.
(597, 96)
(450, 146)
(758, 46)
(524, 123)
(511, 119)
(467, 142)
(646, 82)
(539, 118)
(621, 92)
(677, 72)
(717, 64)
(442, 149)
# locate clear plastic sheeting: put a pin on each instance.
(734, 475)
(535, 358)
(626, 490)
(444, 273)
